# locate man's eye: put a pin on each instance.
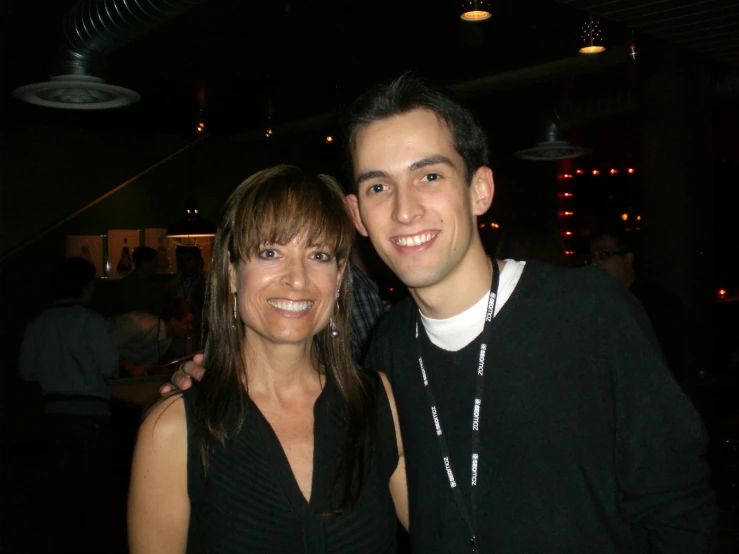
(431, 177)
(377, 187)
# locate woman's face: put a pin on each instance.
(286, 292)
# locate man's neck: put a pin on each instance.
(461, 289)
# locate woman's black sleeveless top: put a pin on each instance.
(250, 502)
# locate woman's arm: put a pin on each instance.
(398, 486)
(158, 505)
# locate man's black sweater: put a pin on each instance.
(588, 445)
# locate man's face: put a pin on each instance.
(412, 197)
(605, 254)
(181, 327)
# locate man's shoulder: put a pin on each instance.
(391, 335)
(571, 283)
(134, 320)
(67, 312)
(400, 317)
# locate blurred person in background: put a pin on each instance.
(67, 350)
(612, 251)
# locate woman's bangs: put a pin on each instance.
(280, 215)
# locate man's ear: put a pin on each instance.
(352, 203)
(482, 190)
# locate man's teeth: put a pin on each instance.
(290, 306)
(416, 240)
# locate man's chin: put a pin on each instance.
(417, 278)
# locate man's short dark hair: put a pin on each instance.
(73, 277)
(176, 308)
(406, 94)
(143, 254)
(622, 240)
(187, 249)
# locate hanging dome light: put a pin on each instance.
(193, 229)
(553, 148)
(476, 10)
(592, 38)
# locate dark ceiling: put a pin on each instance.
(244, 61)
(250, 64)
(710, 27)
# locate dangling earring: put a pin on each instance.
(331, 325)
(334, 331)
(236, 309)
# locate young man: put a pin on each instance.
(536, 410)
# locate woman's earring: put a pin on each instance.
(236, 309)
(333, 330)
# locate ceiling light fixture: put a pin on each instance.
(476, 10)
(553, 148)
(632, 47)
(592, 38)
(193, 229)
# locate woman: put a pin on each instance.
(284, 446)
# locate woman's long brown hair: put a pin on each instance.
(277, 205)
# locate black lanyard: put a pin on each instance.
(476, 413)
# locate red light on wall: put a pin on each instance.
(613, 171)
(565, 214)
(565, 195)
(596, 172)
(569, 252)
(630, 170)
(722, 292)
(567, 233)
(579, 171)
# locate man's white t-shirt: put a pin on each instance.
(458, 331)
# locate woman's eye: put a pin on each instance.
(268, 253)
(322, 256)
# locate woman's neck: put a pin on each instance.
(280, 371)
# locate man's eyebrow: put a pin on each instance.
(431, 160)
(424, 162)
(374, 174)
